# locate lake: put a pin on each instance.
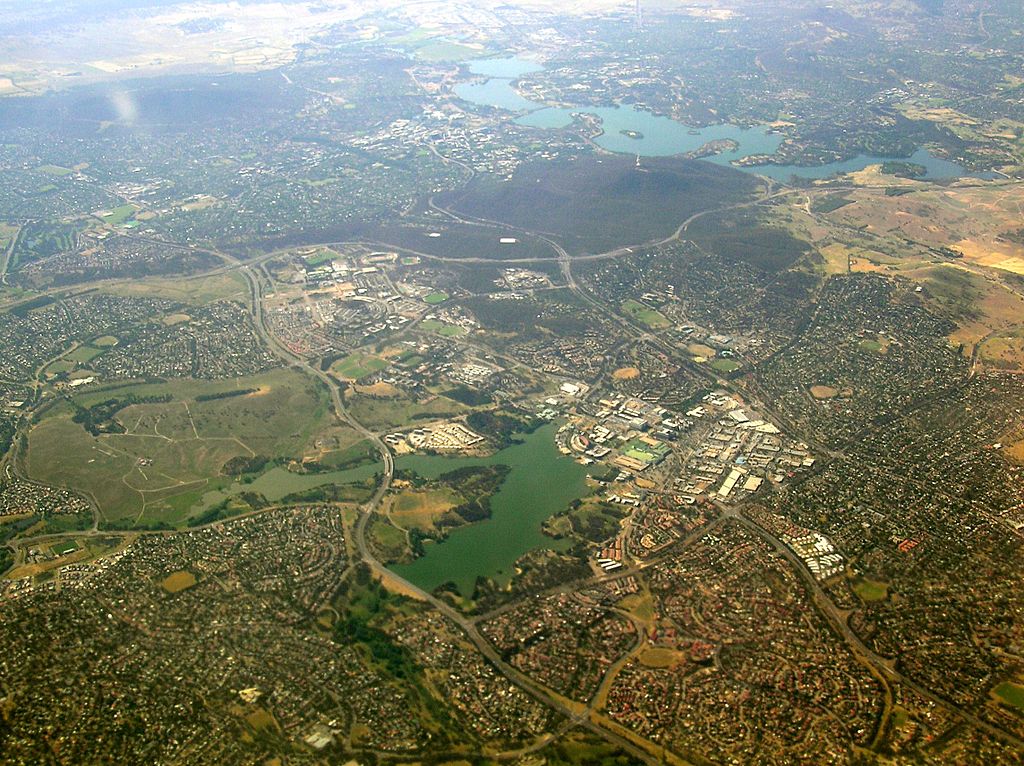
(279, 482)
(542, 483)
(936, 167)
(628, 130)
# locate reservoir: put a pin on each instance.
(658, 136)
(497, 90)
(628, 130)
(542, 482)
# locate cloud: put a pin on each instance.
(125, 106)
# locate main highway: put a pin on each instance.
(574, 713)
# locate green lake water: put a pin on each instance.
(542, 483)
(279, 482)
(657, 136)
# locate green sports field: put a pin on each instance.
(645, 314)
(358, 365)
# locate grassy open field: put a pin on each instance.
(1010, 693)
(388, 540)
(871, 590)
(640, 605)
(645, 314)
(197, 290)
(84, 354)
(7, 234)
(443, 329)
(976, 220)
(1004, 351)
(59, 366)
(824, 392)
(55, 170)
(172, 452)
(178, 581)
(320, 257)
(435, 298)
(117, 215)
(840, 258)
(427, 45)
(699, 349)
(444, 50)
(421, 508)
(357, 366)
(396, 413)
(64, 547)
(659, 657)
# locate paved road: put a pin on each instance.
(880, 664)
(575, 714)
(883, 665)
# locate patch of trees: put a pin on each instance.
(232, 506)
(596, 524)
(829, 203)
(356, 492)
(11, 529)
(478, 484)
(210, 515)
(416, 538)
(1015, 236)
(395, 658)
(743, 237)
(243, 464)
(502, 427)
(536, 571)
(99, 418)
(225, 394)
(468, 396)
(24, 309)
(904, 169)
(477, 509)
(130, 523)
(7, 429)
(432, 415)
(368, 601)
